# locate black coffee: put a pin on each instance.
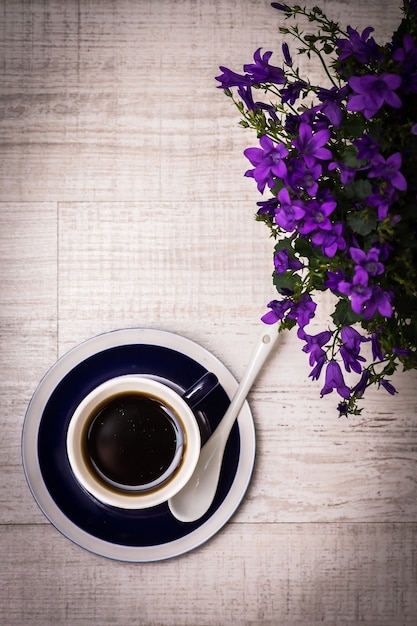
(132, 440)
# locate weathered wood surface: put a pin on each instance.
(122, 203)
(269, 574)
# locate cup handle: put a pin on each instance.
(200, 389)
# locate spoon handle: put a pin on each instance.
(263, 348)
(195, 498)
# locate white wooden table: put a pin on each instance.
(123, 203)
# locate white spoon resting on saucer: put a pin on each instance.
(196, 496)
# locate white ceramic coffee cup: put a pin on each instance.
(93, 421)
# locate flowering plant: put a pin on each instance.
(339, 161)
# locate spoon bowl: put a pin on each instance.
(195, 498)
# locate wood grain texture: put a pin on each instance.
(28, 332)
(123, 203)
(128, 88)
(251, 574)
(135, 264)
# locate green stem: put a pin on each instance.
(325, 67)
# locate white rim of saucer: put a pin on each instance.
(100, 547)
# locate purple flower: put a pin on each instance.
(330, 241)
(389, 170)
(309, 116)
(385, 250)
(366, 299)
(342, 407)
(277, 312)
(351, 361)
(303, 310)
(310, 146)
(283, 262)
(406, 57)
(286, 53)
(314, 345)
(317, 217)
(352, 339)
(350, 349)
(288, 211)
(281, 7)
(372, 92)
(377, 353)
(267, 207)
(262, 72)
(334, 380)
(292, 91)
(245, 93)
(380, 301)
(316, 371)
(357, 290)
(268, 161)
(360, 46)
(388, 386)
(333, 280)
(367, 147)
(359, 388)
(300, 177)
(332, 104)
(382, 198)
(401, 351)
(347, 174)
(229, 79)
(369, 262)
(291, 123)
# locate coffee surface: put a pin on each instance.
(132, 440)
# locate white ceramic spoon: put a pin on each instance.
(195, 498)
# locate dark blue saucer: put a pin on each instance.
(138, 527)
(130, 535)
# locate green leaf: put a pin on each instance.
(278, 185)
(354, 126)
(350, 159)
(283, 244)
(359, 189)
(343, 314)
(317, 282)
(287, 324)
(362, 222)
(286, 280)
(303, 248)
